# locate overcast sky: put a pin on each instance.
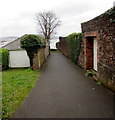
(17, 17)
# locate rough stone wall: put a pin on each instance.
(82, 56)
(40, 57)
(35, 62)
(104, 26)
(47, 51)
(63, 46)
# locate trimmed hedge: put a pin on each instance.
(31, 43)
(74, 41)
(4, 58)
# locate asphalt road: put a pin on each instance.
(63, 91)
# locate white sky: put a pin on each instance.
(17, 17)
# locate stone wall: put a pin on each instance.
(47, 51)
(82, 56)
(63, 46)
(103, 28)
(40, 57)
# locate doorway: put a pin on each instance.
(95, 54)
(91, 53)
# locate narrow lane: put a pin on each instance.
(63, 91)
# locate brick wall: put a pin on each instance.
(63, 46)
(103, 28)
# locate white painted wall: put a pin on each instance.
(95, 54)
(18, 58)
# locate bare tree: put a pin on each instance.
(47, 24)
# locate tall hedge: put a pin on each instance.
(74, 41)
(4, 59)
(31, 43)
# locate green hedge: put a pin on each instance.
(74, 41)
(4, 58)
(31, 43)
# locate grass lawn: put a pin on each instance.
(16, 84)
(54, 51)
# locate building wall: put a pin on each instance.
(103, 28)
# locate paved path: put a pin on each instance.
(63, 91)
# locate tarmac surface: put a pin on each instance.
(64, 91)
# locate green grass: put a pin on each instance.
(55, 51)
(0, 95)
(16, 84)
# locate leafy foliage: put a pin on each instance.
(74, 44)
(35, 41)
(4, 58)
(31, 43)
(90, 74)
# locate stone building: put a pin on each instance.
(98, 47)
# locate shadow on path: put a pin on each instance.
(63, 91)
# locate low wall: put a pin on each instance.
(47, 50)
(40, 57)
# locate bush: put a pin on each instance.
(89, 74)
(4, 58)
(31, 43)
(74, 44)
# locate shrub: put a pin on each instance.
(4, 58)
(31, 43)
(90, 74)
(99, 83)
(74, 44)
